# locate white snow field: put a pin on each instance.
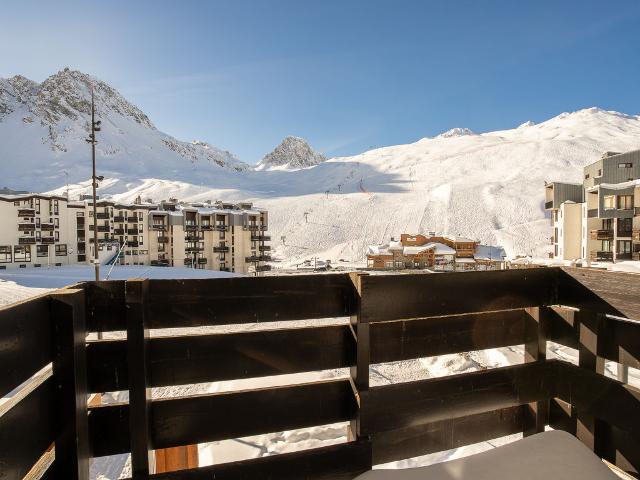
(487, 186)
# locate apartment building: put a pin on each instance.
(599, 219)
(439, 252)
(40, 230)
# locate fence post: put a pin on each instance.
(536, 351)
(590, 430)
(360, 371)
(70, 377)
(139, 392)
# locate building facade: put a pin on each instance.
(438, 252)
(41, 230)
(598, 220)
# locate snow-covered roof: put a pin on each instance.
(441, 248)
(615, 186)
(488, 252)
(414, 250)
(456, 238)
(395, 246)
(378, 250)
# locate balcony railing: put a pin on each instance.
(592, 213)
(258, 258)
(160, 263)
(26, 212)
(255, 227)
(103, 216)
(158, 226)
(626, 233)
(47, 240)
(221, 228)
(396, 317)
(190, 227)
(191, 237)
(193, 249)
(26, 240)
(26, 226)
(264, 248)
(202, 260)
(220, 249)
(101, 228)
(133, 244)
(118, 231)
(133, 231)
(133, 220)
(119, 219)
(548, 205)
(602, 234)
(163, 239)
(206, 227)
(47, 227)
(260, 238)
(602, 256)
(263, 268)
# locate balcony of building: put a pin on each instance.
(26, 212)
(26, 240)
(392, 320)
(118, 231)
(260, 238)
(119, 218)
(601, 256)
(47, 240)
(134, 231)
(263, 268)
(592, 213)
(103, 216)
(133, 243)
(193, 249)
(163, 239)
(190, 227)
(258, 258)
(221, 249)
(192, 237)
(160, 263)
(47, 226)
(264, 248)
(158, 226)
(601, 234)
(26, 226)
(101, 228)
(220, 227)
(202, 260)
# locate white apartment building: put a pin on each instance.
(598, 220)
(41, 230)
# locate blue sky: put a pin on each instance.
(346, 75)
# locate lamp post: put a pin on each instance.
(95, 127)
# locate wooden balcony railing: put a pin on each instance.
(602, 234)
(391, 318)
(601, 256)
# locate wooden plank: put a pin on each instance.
(535, 350)
(614, 293)
(220, 301)
(205, 418)
(398, 297)
(176, 458)
(607, 399)
(409, 442)
(139, 388)
(25, 341)
(208, 358)
(560, 326)
(406, 339)
(106, 307)
(70, 377)
(404, 405)
(336, 462)
(27, 430)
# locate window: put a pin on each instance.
(606, 245)
(609, 201)
(37, 222)
(624, 246)
(141, 240)
(17, 203)
(56, 236)
(42, 250)
(37, 205)
(625, 165)
(599, 172)
(5, 254)
(61, 250)
(586, 177)
(56, 222)
(625, 202)
(22, 253)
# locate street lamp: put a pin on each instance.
(95, 127)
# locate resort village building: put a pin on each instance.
(598, 219)
(439, 252)
(45, 230)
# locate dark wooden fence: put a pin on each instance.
(392, 317)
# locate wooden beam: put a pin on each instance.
(446, 434)
(139, 385)
(614, 293)
(219, 416)
(409, 404)
(433, 336)
(229, 356)
(535, 350)
(25, 341)
(70, 377)
(176, 458)
(106, 306)
(399, 297)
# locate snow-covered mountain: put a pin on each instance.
(487, 186)
(43, 127)
(292, 153)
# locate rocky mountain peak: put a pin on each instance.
(293, 152)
